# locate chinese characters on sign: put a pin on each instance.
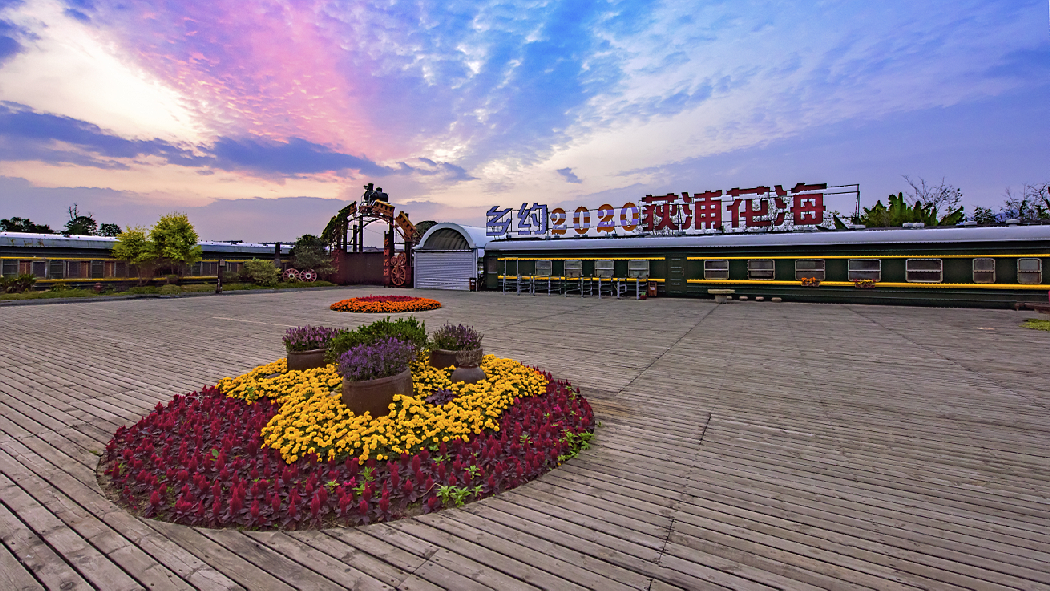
(736, 210)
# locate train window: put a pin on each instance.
(864, 269)
(10, 268)
(39, 269)
(98, 269)
(120, 269)
(924, 270)
(493, 265)
(574, 268)
(809, 268)
(57, 270)
(1029, 271)
(73, 269)
(604, 268)
(760, 269)
(984, 270)
(716, 269)
(638, 268)
(544, 268)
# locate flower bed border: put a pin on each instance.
(228, 479)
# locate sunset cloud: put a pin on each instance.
(467, 104)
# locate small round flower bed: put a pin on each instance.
(275, 449)
(386, 304)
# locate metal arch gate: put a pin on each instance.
(448, 269)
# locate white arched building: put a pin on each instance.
(449, 256)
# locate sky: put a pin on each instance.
(260, 119)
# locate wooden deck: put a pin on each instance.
(747, 446)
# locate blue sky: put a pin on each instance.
(259, 119)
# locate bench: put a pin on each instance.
(721, 295)
(1041, 308)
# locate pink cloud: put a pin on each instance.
(264, 69)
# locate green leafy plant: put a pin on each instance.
(134, 246)
(310, 252)
(457, 495)
(407, 329)
(262, 272)
(899, 213)
(17, 284)
(577, 442)
(174, 240)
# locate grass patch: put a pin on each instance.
(78, 292)
(1037, 324)
(47, 295)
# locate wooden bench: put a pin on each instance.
(1041, 308)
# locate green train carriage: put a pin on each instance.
(956, 266)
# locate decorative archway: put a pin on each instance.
(345, 233)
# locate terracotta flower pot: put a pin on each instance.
(300, 360)
(442, 358)
(375, 396)
(467, 369)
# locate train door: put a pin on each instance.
(675, 283)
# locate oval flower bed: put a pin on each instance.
(274, 450)
(386, 304)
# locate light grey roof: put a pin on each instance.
(27, 240)
(449, 236)
(786, 239)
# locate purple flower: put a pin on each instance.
(386, 357)
(456, 338)
(306, 338)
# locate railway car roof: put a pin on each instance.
(28, 240)
(785, 239)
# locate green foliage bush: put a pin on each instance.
(310, 252)
(262, 272)
(405, 329)
(899, 213)
(17, 283)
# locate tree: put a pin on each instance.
(1032, 204)
(944, 196)
(81, 225)
(899, 213)
(175, 241)
(109, 230)
(984, 215)
(422, 227)
(134, 246)
(310, 252)
(16, 224)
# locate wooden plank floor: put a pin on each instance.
(752, 445)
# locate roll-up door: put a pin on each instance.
(445, 269)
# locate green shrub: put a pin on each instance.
(170, 289)
(262, 272)
(405, 329)
(17, 283)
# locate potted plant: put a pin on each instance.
(373, 373)
(306, 346)
(458, 346)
